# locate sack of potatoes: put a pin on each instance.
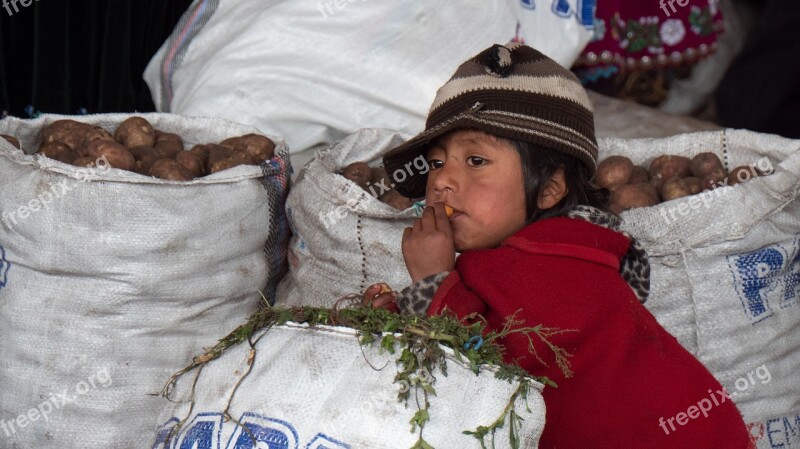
(669, 177)
(136, 145)
(347, 222)
(719, 217)
(128, 244)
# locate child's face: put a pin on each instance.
(481, 178)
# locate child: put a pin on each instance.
(511, 149)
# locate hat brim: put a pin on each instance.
(409, 180)
(409, 177)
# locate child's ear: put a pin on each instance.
(554, 190)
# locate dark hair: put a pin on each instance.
(539, 164)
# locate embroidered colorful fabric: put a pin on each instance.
(632, 35)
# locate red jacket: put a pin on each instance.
(634, 386)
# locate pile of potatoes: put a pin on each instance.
(377, 182)
(136, 146)
(668, 178)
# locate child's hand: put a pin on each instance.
(428, 246)
(380, 296)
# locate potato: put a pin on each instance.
(168, 137)
(84, 162)
(117, 155)
(613, 172)
(741, 174)
(12, 140)
(675, 188)
(711, 183)
(69, 132)
(201, 151)
(234, 160)
(216, 154)
(58, 151)
(94, 133)
(145, 158)
(395, 199)
(718, 174)
(231, 142)
(639, 174)
(634, 195)
(168, 148)
(96, 146)
(358, 172)
(97, 133)
(657, 183)
(664, 168)
(135, 132)
(379, 181)
(716, 178)
(192, 163)
(170, 170)
(259, 147)
(695, 184)
(142, 152)
(143, 166)
(705, 163)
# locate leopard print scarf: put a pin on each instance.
(635, 265)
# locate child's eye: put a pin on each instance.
(475, 161)
(435, 163)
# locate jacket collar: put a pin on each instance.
(587, 240)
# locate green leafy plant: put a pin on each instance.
(421, 342)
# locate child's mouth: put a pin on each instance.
(452, 212)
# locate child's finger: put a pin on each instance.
(417, 226)
(428, 219)
(372, 291)
(442, 222)
(384, 300)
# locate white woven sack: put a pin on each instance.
(315, 71)
(318, 388)
(114, 280)
(726, 272)
(343, 239)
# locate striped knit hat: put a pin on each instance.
(510, 91)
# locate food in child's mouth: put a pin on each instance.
(448, 210)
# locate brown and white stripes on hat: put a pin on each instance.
(510, 91)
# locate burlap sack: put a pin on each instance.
(110, 281)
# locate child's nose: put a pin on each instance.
(445, 180)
